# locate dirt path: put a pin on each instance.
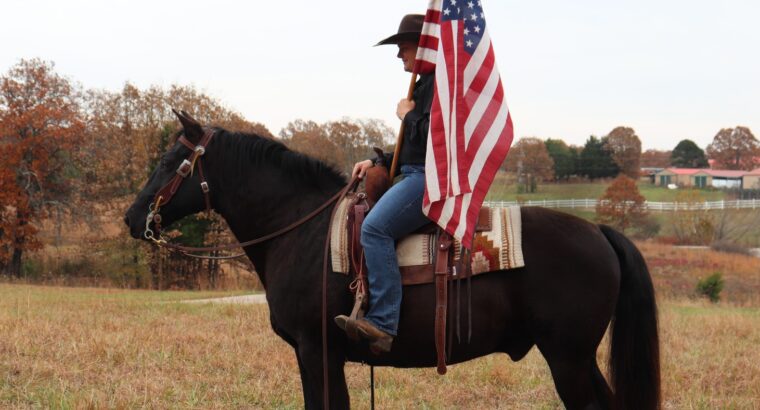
(242, 300)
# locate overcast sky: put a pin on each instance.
(671, 69)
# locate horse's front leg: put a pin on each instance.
(310, 364)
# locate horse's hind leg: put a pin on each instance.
(577, 383)
(601, 388)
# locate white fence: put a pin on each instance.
(652, 206)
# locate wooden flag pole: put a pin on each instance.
(400, 139)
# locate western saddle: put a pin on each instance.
(445, 271)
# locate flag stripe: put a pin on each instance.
(470, 124)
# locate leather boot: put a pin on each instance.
(380, 342)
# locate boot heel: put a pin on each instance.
(381, 346)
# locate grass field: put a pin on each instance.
(505, 189)
(98, 348)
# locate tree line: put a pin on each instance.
(67, 149)
(534, 160)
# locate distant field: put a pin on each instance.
(504, 189)
(98, 348)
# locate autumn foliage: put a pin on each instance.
(74, 154)
(621, 206)
(530, 161)
(338, 143)
(735, 148)
(625, 148)
(40, 130)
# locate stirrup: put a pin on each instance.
(356, 313)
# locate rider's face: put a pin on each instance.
(407, 52)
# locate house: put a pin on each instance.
(677, 176)
(724, 178)
(752, 179)
(701, 178)
(648, 174)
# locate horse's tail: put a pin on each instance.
(635, 349)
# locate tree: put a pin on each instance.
(621, 206)
(564, 158)
(310, 138)
(40, 125)
(688, 155)
(530, 160)
(356, 138)
(625, 148)
(735, 148)
(127, 133)
(136, 124)
(653, 158)
(339, 143)
(595, 160)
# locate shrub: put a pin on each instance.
(711, 286)
(32, 269)
(621, 206)
(647, 228)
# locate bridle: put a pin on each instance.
(166, 193)
(185, 169)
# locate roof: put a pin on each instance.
(684, 171)
(720, 173)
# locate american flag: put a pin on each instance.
(470, 126)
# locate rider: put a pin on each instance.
(399, 210)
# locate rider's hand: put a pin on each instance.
(360, 168)
(404, 106)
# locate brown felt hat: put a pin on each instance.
(408, 31)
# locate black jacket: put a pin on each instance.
(416, 125)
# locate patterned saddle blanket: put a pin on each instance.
(499, 247)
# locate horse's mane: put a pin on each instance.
(243, 149)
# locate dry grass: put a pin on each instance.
(89, 348)
(676, 271)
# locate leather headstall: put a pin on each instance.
(185, 169)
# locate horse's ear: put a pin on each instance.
(192, 128)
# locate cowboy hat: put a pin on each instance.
(408, 31)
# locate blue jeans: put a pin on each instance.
(396, 214)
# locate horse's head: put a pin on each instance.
(176, 187)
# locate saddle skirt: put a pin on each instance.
(497, 245)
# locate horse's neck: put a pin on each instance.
(272, 206)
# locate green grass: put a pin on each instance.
(504, 188)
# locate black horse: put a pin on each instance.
(578, 277)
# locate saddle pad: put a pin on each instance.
(497, 249)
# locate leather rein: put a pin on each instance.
(185, 169)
